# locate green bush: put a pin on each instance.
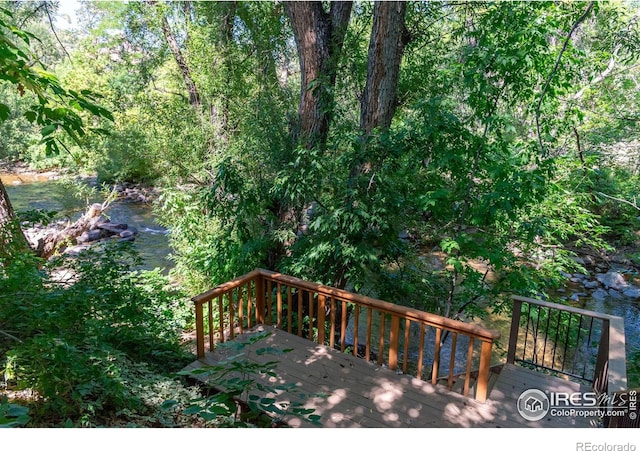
(82, 325)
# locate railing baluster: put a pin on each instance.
(467, 375)
(249, 302)
(575, 350)
(343, 327)
(260, 307)
(535, 335)
(211, 325)
(546, 336)
(279, 306)
(405, 359)
(221, 319)
(321, 319)
(381, 340)
(356, 322)
(200, 330)
(311, 296)
(300, 312)
(231, 315)
(584, 371)
(436, 357)
(555, 340)
(421, 351)
(566, 341)
(241, 307)
(526, 334)
(268, 301)
(332, 323)
(289, 312)
(369, 321)
(452, 360)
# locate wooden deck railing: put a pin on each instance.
(401, 338)
(561, 339)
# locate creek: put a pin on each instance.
(37, 191)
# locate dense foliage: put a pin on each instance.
(512, 149)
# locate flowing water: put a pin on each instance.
(30, 192)
(38, 192)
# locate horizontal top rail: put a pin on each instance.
(566, 308)
(225, 287)
(404, 312)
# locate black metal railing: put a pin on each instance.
(560, 339)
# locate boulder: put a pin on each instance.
(632, 292)
(614, 294)
(599, 294)
(613, 279)
(591, 284)
(112, 227)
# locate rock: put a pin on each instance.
(114, 228)
(127, 234)
(632, 292)
(599, 294)
(615, 294)
(83, 238)
(591, 284)
(579, 276)
(94, 235)
(576, 296)
(613, 279)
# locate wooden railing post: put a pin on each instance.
(515, 327)
(199, 330)
(260, 308)
(321, 318)
(601, 376)
(482, 384)
(394, 340)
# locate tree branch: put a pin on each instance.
(581, 19)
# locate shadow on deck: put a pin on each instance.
(356, 393)
(349, 359)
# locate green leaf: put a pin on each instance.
(49, 129)
(4, 112)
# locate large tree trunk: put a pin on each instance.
(386, 46)
(380, 97)
(319, 38)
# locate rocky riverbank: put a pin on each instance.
(96, 225)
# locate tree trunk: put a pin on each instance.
(194, 95)
(12, 240)
(386, 46)
(380, 97)
(319, 38)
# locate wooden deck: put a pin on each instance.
(357, 393)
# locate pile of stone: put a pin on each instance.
(612, 285)
(107, 229)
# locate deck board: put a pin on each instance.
(357, 393)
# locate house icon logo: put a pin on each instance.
(533, 404)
